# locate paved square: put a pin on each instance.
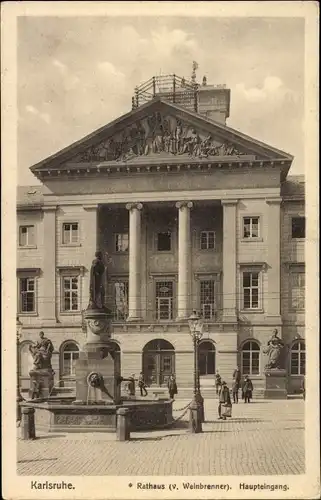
(264, 437)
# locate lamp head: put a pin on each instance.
(195, 323)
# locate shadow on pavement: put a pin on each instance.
(235, 420)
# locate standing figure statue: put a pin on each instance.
(41, 352)
(96, 289)
(274, 350)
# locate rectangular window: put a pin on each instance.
(298, 291)
(164, 300)
(121, 242)
(70, 293)
(207, 240)
(251, 227)
(26, 236)
(70, 233)
(250, 286)
(164, 241)
(121, 300)
(207, 295)
(27, 290)
(298, 227)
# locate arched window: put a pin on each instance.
(251, 358)
(26, 360)
(206, 358)
(70, 353)
(297, 358)
(158, 361)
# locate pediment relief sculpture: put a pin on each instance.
(154, 135)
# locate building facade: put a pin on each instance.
(190, 214)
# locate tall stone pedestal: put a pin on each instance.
(41, 383)
(97, 363)
(97, 359)
(275, 384)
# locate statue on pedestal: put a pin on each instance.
(41, 352)
(274, 350)
(96, 289)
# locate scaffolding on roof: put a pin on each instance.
(172, 88)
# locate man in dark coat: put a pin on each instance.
(237, 375)
(172, 386)
(224, 400)
(235, 391)
(247, 389)
(142, 385)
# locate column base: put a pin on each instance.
(181, 318)
(132, 319)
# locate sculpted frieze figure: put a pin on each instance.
(154, 135)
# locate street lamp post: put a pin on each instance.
(19, 398)
(197, 408)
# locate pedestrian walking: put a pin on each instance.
(237, 375)
(172, 386)
(224, 401)
(218, 382)
(142, 385)
(235, 391)
(247, 389)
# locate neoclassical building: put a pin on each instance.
(189, 214)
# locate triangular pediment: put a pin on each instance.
(161, 132)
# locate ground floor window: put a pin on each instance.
(70, 353)
(297, 358)
(158, 361)
(250, 358)
(206, 358)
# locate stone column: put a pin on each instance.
(274, 270)
(47, 306)
(184, 259)
(90, 246)
(229, 260)
(134, 295)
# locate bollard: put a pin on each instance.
(195, 421)
(200, 401)
(28, 429)
(123, 424)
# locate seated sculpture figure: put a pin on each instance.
(41, 352)
(273, 350)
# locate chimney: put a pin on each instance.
(214, 101)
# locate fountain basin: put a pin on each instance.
(55, 415)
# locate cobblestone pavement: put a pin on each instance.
(264, 437)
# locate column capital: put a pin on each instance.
(133, 206)
(229, 202)
(92, 206)
(49, 208)
(274, 201)
(184, 204)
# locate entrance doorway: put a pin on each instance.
(206, 358)
(158, 362)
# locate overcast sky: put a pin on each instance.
(77, 74)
